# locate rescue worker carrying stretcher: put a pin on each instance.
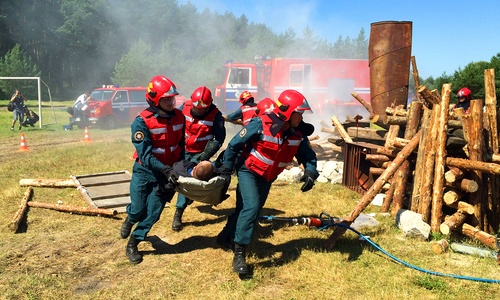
(268, 144)
(158, 138)
(205, 134)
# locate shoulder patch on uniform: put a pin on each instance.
(138, 135)
(243, 132)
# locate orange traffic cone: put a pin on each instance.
(87, 136)
(23, 146)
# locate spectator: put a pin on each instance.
(31, 117)
(267, 144)
(205, 134)
(18, 100)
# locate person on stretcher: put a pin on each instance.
(199, 181)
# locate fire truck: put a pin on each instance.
(327, 84)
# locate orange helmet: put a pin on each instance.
(265, 106)
(464, 92)
(290, 101)
(160, 87)
(245, 97)
(201, 97)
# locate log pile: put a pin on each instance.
(450, 175)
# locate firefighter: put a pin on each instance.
(246, 111)
(158, 138)
(268, 144)
(265, 106)
(205, 134)
(464, 96)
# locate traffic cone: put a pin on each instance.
(87, 136)
(23, 146)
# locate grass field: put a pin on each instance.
(57, 255)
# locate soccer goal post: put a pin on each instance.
(39, 96)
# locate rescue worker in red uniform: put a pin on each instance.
(267, 145)
(158, 137)
(245, 112)
(205, 134)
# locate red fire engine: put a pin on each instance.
(326, 83)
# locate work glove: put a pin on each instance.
(306, 128)
(308, 180)
(203, 156)
(171, 176)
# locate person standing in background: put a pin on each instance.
(18, 100)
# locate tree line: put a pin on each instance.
(76, 45)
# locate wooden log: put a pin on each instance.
(481, 166)
(399, 180)
(392, 134)
(416, 80)
(490, 100)
(478, 235)
(453, 174)
(389, 195)
(373, 190)
(341, 130)
(424, 206)
(313, 138)
(438, 185)
(363, 102)
(414, 119)
(466, 185)
(395, 120)
(396, 111)
(388, 152)
(52, 183)
(376, 171)
(428, 95)
(18, 216)
(475, 147)
(400, 142)
(377, 157)
(440, 246)
(467, 249)
(366, 133)
(452, 196)
(77, 210)
(419, 164)
(452, 223)
(462, 206)
(495, 158)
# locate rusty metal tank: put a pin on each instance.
(389, 55)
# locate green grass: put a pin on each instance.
(57, 255)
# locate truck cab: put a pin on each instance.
(111, 106)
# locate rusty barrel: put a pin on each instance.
(389, 55)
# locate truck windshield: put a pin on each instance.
(239, 76)
(101, 96)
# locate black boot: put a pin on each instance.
(132, 252)
(239, 262)
(126, 228)
(177, 222)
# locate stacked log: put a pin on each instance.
(454, 188)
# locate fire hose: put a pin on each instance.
(325, 220)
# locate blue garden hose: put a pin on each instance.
(408, 264)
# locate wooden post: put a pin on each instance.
(399, 181)
(452, 223)
(373, 190)
(438, 185)
(14, 224)
(424, 207)
(490, 100)
(479, 235)
(419, 164)
(363, 102)
(340, 128)
(481, 166)
(78, 210)
(475, 146)
(53, 183)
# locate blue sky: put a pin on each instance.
(446, 35)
